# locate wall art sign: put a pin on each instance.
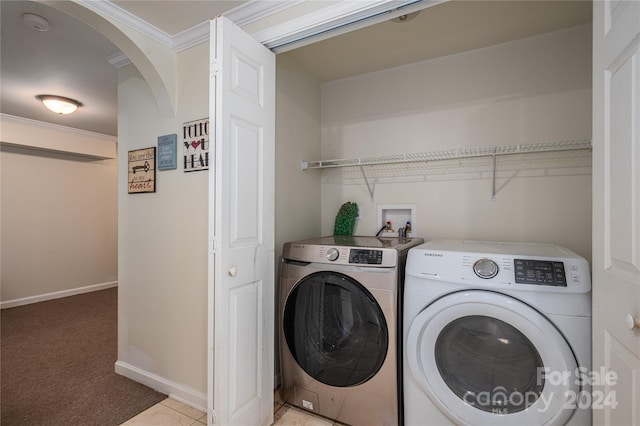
(167, 152)
(196, 145)
(142, 170)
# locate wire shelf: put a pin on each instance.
(459, 153)
(477, 160)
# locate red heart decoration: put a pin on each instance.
(195, 144)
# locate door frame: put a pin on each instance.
(322, 22)
(326, 23)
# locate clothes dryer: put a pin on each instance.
(340, 327)
(496, 334)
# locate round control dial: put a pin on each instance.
(485, 268)
(333, 254)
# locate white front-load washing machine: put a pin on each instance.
(340, 327)
(496, 334)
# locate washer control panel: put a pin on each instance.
(529, 267)
(340, 255)
(539, 272)
(365, 256)
(485, 268)
(333, 254)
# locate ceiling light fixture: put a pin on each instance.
(35, 22)
(59, 104)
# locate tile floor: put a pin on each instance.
(174, 413)
(169, 412)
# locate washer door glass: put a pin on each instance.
(476, 355)
(485, 358)
(335, 330)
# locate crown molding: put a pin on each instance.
(118, 14)
(191, 36)
(241, 15)
(118, 60)
(334, 19)
(255, 10)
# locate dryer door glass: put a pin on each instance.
(335, 330)
(489, 364)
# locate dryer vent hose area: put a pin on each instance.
(346, 219)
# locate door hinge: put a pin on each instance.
(215, 67)
(213, 245)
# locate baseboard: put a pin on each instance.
(184, 394)
(56, 295)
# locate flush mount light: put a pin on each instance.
(59, 104)
(35, 22)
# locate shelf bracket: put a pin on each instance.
(369, 187)
(493, 187)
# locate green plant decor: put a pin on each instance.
(346, 219)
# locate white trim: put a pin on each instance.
(254, 10)
(58, 127)
(313, 22)
(118, 60)
(184, 394)
(242, 15)
(340, 17)
(191, 37)
(335, 19)
(118, 14)
(57, 295)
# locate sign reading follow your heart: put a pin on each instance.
(195, 141)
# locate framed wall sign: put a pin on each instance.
(167, 152)
(195, 140)
(142, 170)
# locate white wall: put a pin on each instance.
(59, 222)
(531, 90)
(297, 137)
(162, 329)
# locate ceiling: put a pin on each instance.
(444, 29)
(72, 59)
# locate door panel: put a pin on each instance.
(616, 210)
(246, 217)
(241, 348)
(622, 406)
(247, 78)
(245, 363)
